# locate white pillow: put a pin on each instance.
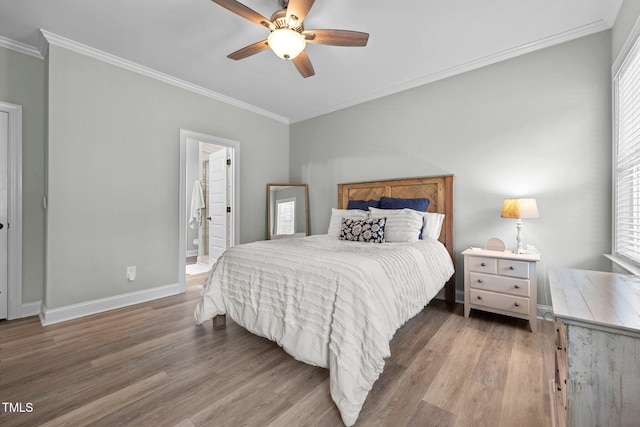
(335, 224)
(432, 225)
(403, 225)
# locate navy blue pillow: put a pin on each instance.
(393, 203)
(363, 204)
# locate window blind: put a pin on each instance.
(626, 87)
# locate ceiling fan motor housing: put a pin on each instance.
(279, 19)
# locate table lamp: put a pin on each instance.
(519, 209)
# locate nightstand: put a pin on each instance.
(501, 282)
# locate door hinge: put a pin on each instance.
(228, 162)
(228, 209)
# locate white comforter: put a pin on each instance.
(327, 302)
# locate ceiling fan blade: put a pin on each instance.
(246, 51)
(298, 9)
(303, 64)
(336, 37)
(245, 12)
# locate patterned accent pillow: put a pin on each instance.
(363, 230)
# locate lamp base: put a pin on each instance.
(520, 246)
(527, 250)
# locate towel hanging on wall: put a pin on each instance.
(197, 204)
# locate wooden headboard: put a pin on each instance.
(438, 189)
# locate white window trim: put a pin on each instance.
(622, 266)
(627, 47)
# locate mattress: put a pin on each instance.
(328, 302)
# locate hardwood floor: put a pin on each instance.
(151, 365)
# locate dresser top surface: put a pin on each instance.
(501, 254)
(593, 297)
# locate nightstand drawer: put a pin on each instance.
(500, 301)
(508, 285)
(483, 265)
(508, 267)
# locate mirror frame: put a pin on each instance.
(306, 206)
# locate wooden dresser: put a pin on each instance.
(598, 348)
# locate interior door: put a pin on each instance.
(4, 144)
(217, 204)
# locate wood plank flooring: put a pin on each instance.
(150, 364)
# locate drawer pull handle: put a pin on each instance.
(482, 264)
(517, 305)
(511, 267)
(479, 297)
(479, 280)
(517, 286)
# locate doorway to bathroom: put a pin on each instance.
(209, 190)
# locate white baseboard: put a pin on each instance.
(192, 252)
(49, 316)
(545, 312)
(30, 309)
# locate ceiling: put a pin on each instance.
(412, 42)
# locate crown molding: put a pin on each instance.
(20, 47)
(91, 52)
(543, 43)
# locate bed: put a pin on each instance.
(337, 303)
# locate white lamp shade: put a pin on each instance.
(286, 43)
(519, 208)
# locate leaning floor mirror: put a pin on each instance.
(287, 211)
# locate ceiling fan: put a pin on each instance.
(287, 37)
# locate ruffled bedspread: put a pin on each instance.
(327, 302)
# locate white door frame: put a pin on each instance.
(182, 202)
(14, 196)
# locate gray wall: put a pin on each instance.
(113, 146)
(22, 82)
(627, 17)
(537, 125)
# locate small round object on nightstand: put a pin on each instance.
(494, 244)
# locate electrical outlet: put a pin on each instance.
(131, 273)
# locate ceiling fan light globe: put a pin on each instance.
(286, 43)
